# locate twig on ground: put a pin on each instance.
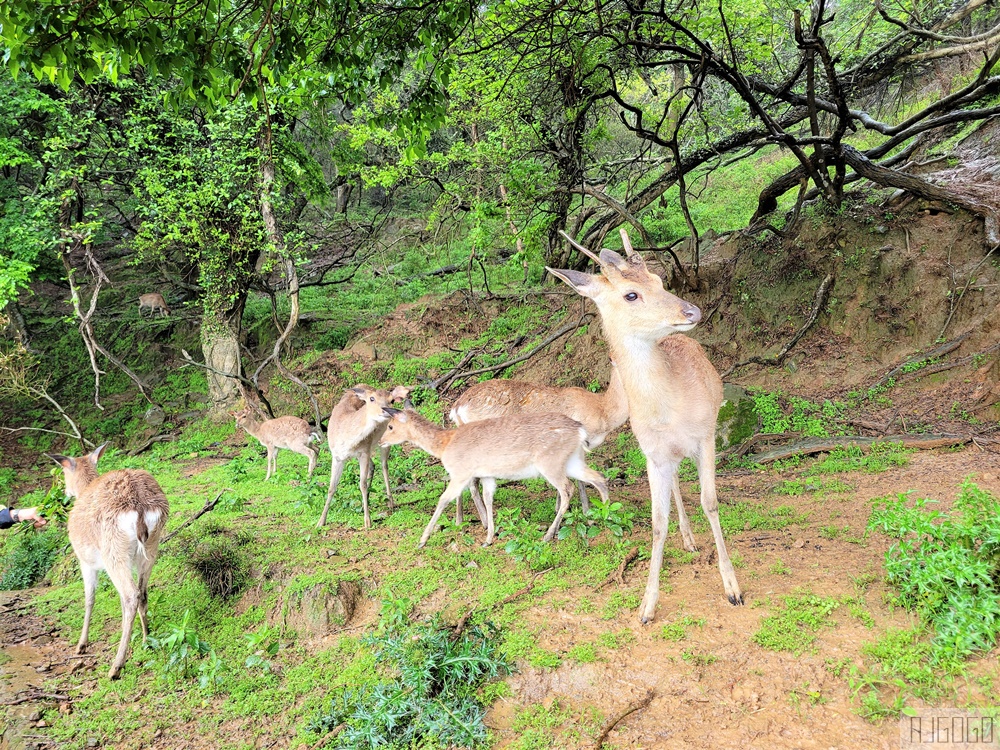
(328, 736)
(818, 303)
(166, 437)
(610, 726)
(464, 619)
(940, 351)
(824, 445)
(529, 354)
(35, 695)
(449, 376)
(208, 507)
(619, 574)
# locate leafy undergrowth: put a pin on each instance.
(946, 566)
(436, 696)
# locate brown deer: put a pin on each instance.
(356, 424)
(290, 433)
(674, 392)
(523, 446)
(599, 413)
(155, 302)
(115, 525)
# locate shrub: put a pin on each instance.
(32, 554)
(946, 566)
(432, 701)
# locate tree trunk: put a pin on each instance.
(220, 345)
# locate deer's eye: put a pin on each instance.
(371, 398)
(390, 428)
(631, 297)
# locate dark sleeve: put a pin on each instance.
(5, 520)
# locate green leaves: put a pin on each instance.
(946, 566)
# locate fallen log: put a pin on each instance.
(811, 446)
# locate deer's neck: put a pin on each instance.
(653, 396)
(430, 437)
(614, 402)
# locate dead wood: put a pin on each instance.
(529, 354)
(167, 437)
(940, 351)
(464, 619)
(818, 303)
(811, 446)
(610, 726)
(619, 574)
(209, 506)
(329, 736)
(449, 377)
(35, 695)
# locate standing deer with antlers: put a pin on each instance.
(674, 392)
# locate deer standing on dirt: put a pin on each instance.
(523, 446)
(155, 302)
(599, 413)
(115, 525)
(356, 424)
(674, 392)
(290, 433)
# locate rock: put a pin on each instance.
(472, 564)
(154, 416)
(171, 406)
(318, 609)
(737, 418)
(364, 350)
(197, 398)
(187, 416)
(93, 742)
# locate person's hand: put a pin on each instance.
(31, 514)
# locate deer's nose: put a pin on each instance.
(691, 312)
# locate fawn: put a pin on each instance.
(523, 446)
(114, 525)
(599, 413)
(674, 393)
(355, 426)
(290, 433)
(155, 302)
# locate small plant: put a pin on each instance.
(263, 644)
(433, 699)
(612, 516)
(793, 627)
(678, 630)
(779, 568)
(583, 653)
(182, 647)
(946, 566)
(524, 541)
(698, 658)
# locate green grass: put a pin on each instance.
(794, 625)
(679, 628)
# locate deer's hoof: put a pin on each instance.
(736, 599)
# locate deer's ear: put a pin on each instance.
(390, 412)
(96, 454)
(611, 258)
(400, 392)
(65, 461)
(583, 283)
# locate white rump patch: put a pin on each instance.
(127, 522)
(152, 518)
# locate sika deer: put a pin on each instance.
(290, 433)
(674, 392)
(355, 425)
(155, 302)
(524, 446)
(599, 413)
(115, 525)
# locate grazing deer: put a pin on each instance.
(115, 525)
(355, 425)
(290, 433)
(674, 392)
(155, 302)
(599, 413)
(523, 446)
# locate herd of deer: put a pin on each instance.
(663, 384)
